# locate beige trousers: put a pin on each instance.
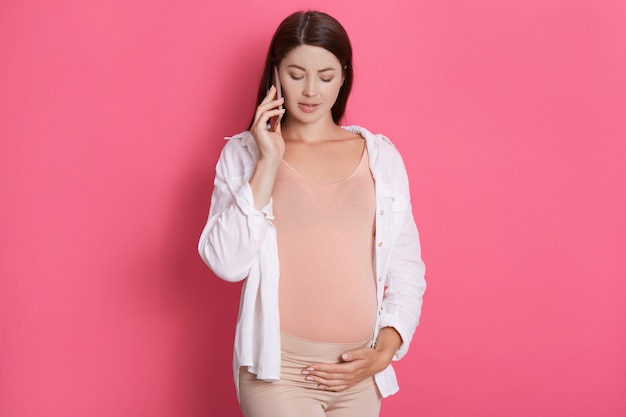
(293, 396)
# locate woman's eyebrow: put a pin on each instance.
(303, 69)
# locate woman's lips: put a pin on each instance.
(307, 108)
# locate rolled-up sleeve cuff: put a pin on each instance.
(406, 335)
(268, 210)
(245, 201)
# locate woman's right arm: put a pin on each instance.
(241, 209)
(271, 148)
(232, 236)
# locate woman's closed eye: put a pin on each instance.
(300, 77)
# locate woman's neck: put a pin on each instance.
(311, 132)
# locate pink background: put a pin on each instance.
(511, 119)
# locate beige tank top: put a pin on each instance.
(325, 234)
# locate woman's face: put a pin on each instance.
(311, 78)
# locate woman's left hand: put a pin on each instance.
(357, 364)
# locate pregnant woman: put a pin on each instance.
(316, 218)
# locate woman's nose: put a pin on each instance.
(309, 88)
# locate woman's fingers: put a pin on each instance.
(263, 114)
(264, 117)
(269, 142)
(356, 366)
(268, 103)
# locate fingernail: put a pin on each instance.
(309, 378)
(305, 372)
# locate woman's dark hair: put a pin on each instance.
(316, 29)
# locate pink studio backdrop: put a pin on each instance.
(511, 119)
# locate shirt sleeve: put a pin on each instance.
(404, 281)
(405, 285)
(232, 236)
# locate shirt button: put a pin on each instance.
(380, 244)
(380, 279)
(382, 212)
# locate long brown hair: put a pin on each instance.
(316, 29)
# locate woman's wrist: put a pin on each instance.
(262, 181)
(387, 344)
(269, 162)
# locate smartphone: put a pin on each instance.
(275, 121)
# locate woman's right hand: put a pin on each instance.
(270, 143)
(271, 148)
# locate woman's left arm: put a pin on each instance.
(405, 284)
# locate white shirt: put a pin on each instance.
(239, 242)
